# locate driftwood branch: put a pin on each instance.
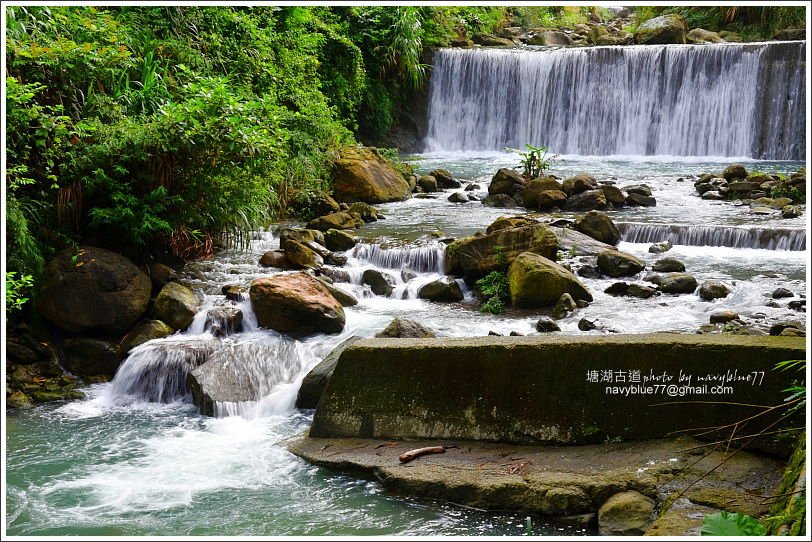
(418, 452)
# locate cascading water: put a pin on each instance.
(715, 236)
(421, 259)
(709, 100)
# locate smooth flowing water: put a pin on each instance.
(136, 458)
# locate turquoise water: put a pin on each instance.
(164, 470)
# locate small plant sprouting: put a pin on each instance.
(535, 161)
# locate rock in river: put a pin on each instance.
(536, 281)
(295, 302)
(615, 263)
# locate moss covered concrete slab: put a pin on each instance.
(529, 390)
(559, 481)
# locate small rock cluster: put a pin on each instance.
(666, 29)
(764, 193)
(509, 189)
(101, 306)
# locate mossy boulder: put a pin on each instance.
(668, 265)
(662, 30)
(675, 283)
(536, 187)
(700, 35)
(301, 235)
(143, 332)
(491, 41)
(362, 174)
(613, 195)
(176, 305)
(547, 199)
(626, 513)
(275, 258)
(579, 183)
(509, 222)
(295, 303)
(616, 38)
(477, 256)
(536, 281)
(735, 171)
(500, 201)
(341, 220)
(338, 240)
(92, 291)
(615, 263)
(301, 256)
(599, 226)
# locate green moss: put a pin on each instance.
(789, 510)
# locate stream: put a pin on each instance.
(119, 463)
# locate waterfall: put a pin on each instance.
(717, 236)
(157, 371)
(681, 100)
(421, 259)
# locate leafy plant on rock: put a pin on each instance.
(535, 161)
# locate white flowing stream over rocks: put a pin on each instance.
(136, 458)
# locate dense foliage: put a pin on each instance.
(176, 127)
(751, 22)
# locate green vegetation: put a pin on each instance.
(791, 192)
(750, 22)
(496, 289)
(146, 129)
(727, 524)
(788, 512)
(535, 161)
(16, 290)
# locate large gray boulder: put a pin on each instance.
(380, 283)
(713, 289)
(536, 281)
(675, 283)
(93, 291)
